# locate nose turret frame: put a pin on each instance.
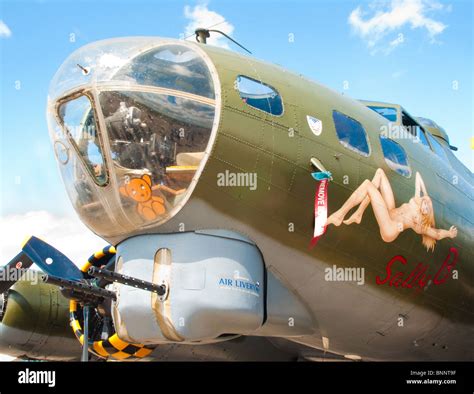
(131, 151)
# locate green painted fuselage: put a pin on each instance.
(373, 321)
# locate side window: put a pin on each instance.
(259, 95)
(351, 133)
(78, 119)
(395, 156)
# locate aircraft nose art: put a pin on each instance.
(133, 122)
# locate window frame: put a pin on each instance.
(349, 147)
(264, 84)
(70, 138)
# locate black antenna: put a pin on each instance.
(84, 69)
(208, 27)
(203, 34)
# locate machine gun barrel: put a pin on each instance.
(111, 276)
(80, 290)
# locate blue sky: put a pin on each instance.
(414, 52)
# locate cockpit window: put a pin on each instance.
(157, 143)
(414, 129)
(78, 119)
(351, 133)
(395, 156)
(388, 113)
(260, 96)
(437, 148)
(422, 137)
(172, 67)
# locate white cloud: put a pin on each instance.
(202, 16)
(67, 234)
(389, 17)
(5, 31)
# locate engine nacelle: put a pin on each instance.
(34, 320)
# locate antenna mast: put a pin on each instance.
(203, 34)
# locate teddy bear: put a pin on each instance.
(149, 206)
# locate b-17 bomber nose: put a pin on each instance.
(132, 122)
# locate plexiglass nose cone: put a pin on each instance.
(132, 122)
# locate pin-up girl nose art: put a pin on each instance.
(417, 214)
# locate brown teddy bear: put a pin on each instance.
(139, 189)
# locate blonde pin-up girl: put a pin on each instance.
(417, 214)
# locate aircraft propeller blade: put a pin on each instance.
(50, 260)
(12, 272)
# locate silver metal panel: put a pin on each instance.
(216, 287)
